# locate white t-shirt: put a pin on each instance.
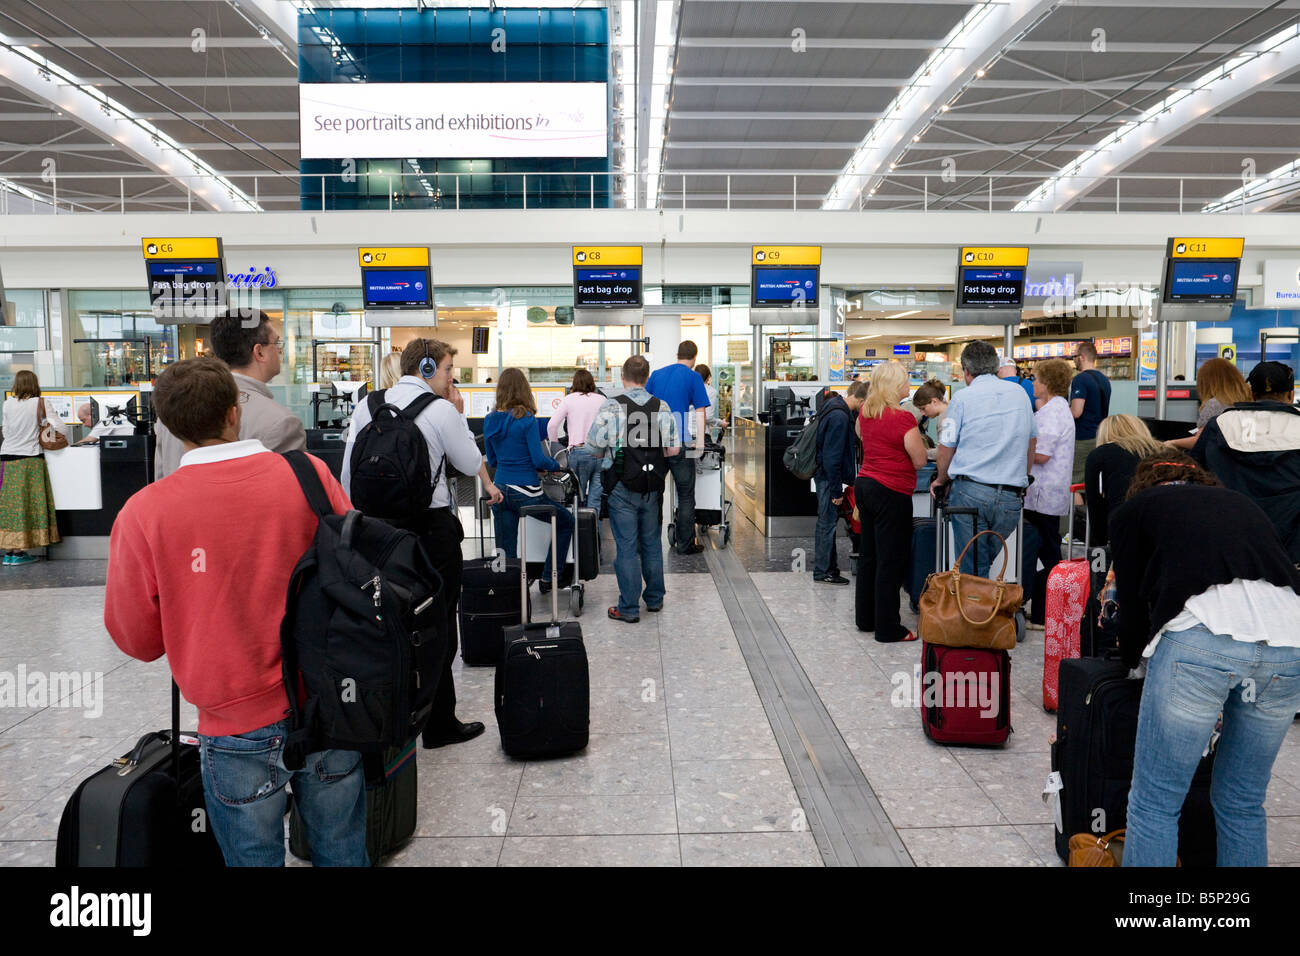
(1249, 611)
(22, 430)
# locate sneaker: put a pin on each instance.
(615, 616)
(835, 578)
(9, 559)
(16, 559)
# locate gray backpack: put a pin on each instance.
(801, 457)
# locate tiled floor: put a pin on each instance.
(682, 768)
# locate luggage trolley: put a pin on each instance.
(712, 507)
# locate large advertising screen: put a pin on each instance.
(1201, 280)
(989, 287)
(396, 288)
(452, 120)
(615, 286)
(778, 287)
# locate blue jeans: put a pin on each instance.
(998, 511)
(587, 467)
(825, 560)
(634, 521)
(683, 469)
(1192, 677)
(507, 516)
(243, 784)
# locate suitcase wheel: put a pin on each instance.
(1020, 627)
(577, 600)
(725, 535)
(672, 534)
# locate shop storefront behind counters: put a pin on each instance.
(254, 353)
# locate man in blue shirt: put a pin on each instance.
(681, 388)
(1009, 371)
(1089, 404)
(987, 447)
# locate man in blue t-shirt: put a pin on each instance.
(1089, 404)
(681, 388)
(1008, 370)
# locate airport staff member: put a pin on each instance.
(426, 366)
(987, 447)
(254, 351)
(86, 415)
(681, 388)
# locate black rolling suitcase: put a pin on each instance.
(542, 695)
(921, 563)
(1096, 734)
(144, 809)
(489, 603)
(587, 544)
(392, 799)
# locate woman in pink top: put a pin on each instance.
(892, 453)
(576, 413)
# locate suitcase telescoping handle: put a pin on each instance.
(542, 513)
(1087, 526)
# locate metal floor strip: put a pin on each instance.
(843, 812)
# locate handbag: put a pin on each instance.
(964, 610)
(1088, 849)
(51, 439)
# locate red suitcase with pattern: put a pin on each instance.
(1067, 594)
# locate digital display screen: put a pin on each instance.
(1202, 280)
(613, 286)
(479, 344)
(178, 288)
(988, 287)
(785, 287)
(396, 288)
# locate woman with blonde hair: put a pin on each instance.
(892, 453)
(513, 444)
(1219, 386)
(390, 370)
(1122, 442)
(1047, 500)
(27, 518)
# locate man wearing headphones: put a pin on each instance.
(426, 367)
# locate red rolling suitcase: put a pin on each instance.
(1068, 585)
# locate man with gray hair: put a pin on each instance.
(986, 448)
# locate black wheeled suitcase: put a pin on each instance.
(144, 809)
(1096, 735)
(587, 543)
(392, 799)
(921, 563)
(489, 603)
(542, 693)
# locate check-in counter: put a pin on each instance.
(91, 483)
(778, 503)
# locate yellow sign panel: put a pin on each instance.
(1228, 351)
(1185, 248)
(607, 255)
(994, 256)
(787, 255)
(181, 248)
(396, 256)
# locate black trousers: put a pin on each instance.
(442, 535)
(1042, 544)
(883, 553)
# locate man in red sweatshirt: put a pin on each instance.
(184, 581)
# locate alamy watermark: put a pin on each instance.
(39, 689)
(953, 689)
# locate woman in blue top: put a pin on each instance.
(513, 445)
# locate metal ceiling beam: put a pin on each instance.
(980, 36)
(278, 19)
(146, 43)
(1166, 120)
(951, 117)
(144, 81)
(876, 44)
(646, 16)
(35, 77)
(281, 116)
(874, 82)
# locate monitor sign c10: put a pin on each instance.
(991, 287)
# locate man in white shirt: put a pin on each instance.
(427, 367)
(254, 351)
(86, 415)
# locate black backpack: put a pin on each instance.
(364, 627)
(641, 467)
(391, 475)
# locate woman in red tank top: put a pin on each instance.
(892, 453)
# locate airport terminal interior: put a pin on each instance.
(808, 193)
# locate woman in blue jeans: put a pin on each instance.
(576, 413)
(1208, 603)
(513, 445)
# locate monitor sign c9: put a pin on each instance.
(785, 287)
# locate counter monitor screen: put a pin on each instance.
(1202, 280)
(785, 287)
(610, 287)
(397, 288)
(990, 287)
(479, 344)
(175, 283)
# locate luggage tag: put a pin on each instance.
(1052, 797)
(189, 740)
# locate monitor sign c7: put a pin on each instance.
(609, 287)
(1202, 280)
(785, 287)
(991, 287)
(396, 288)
